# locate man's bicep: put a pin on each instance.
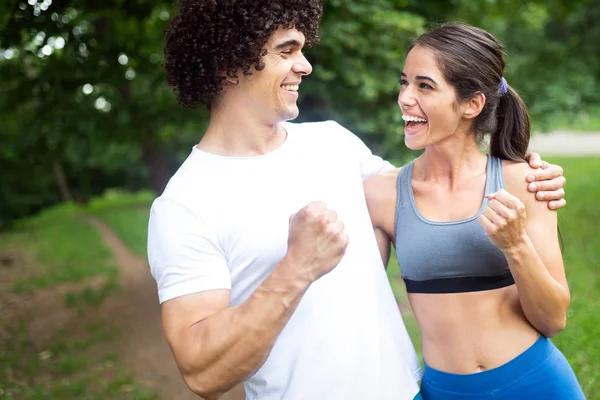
(181, 314)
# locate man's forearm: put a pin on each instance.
(228, 347)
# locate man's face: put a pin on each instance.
(273, 92)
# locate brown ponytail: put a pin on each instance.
(510, 139)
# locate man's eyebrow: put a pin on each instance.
(288, 43)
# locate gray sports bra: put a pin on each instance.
(447, 257)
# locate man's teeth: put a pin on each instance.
(413, 119)
(291, 87)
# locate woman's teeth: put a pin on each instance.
(293, 88)
(413, 119)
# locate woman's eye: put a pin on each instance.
(426, 86)
(403, 82)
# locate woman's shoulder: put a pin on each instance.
(381, 186)
(515, 178)
(383, 180)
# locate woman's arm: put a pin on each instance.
(380, 194)
(526, 231)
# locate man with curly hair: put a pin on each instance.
(259, 279)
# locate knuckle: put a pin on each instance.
(320, 205)
(323, 222)
(539, 196)
(307, 212)
(345, 239)
(331, 215)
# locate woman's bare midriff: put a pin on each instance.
(465, 333)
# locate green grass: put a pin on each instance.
(57, 247)
(64, 370)
(71, 249)
(130, 224)
(579, 227)
(111, 199)
(67, 250)
(579, 223)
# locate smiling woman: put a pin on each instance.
(480, 257)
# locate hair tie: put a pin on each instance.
(503, 87)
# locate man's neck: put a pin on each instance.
(233, 133)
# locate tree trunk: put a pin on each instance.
(61, 181)
(155, 160)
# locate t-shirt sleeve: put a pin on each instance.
(370, 164)
(184, 252)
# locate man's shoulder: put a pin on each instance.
(326, 126)
(324, 132)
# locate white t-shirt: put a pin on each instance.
(222, 223)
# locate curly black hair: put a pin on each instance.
(210, 37)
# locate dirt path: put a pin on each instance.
(142, 345)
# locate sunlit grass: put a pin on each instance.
(67, 250)
(130, 224)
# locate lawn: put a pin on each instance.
(579, 226)
(64, 250)
(58, 252)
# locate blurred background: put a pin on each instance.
(90, 134)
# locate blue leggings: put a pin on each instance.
(540, 372)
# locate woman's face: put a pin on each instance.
(428, 102)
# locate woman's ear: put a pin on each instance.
(474, 106)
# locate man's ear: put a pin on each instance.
(230, 80)
(474, 106)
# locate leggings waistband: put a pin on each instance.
(491, 379)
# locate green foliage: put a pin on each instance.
(553, 57)
(84, 105)
(84, 95)
(357, 66)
